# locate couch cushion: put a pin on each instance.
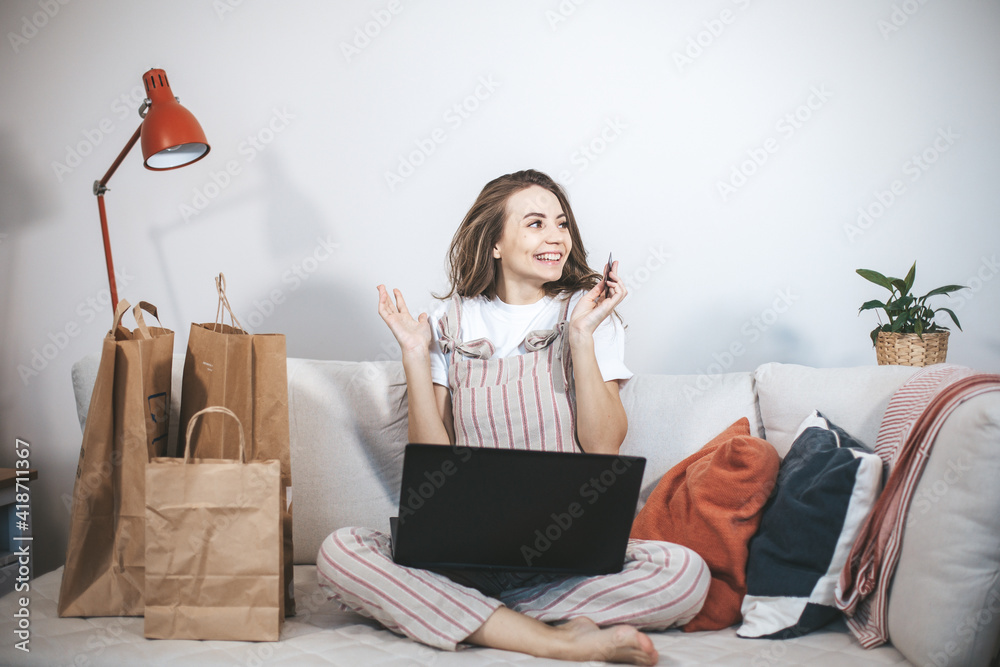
(671, 417)
(826, 487)
(711, 502)
(949, 562)
(854, 398)
(348, 429)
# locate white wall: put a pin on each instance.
(668, 98)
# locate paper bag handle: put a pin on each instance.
(141, 328)
(220, 287)
(120, 310)
(141, 322)
(219, 409)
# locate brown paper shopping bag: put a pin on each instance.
(246, 373)
(213, 545)
(126, 424)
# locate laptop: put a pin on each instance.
(506, 509)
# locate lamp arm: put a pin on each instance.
(100, 187)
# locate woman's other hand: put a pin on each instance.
(413, 335)
(594, 307)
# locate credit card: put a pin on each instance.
(607, 272)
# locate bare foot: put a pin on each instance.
(619, 643)
(579, 639)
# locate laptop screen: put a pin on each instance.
(463, 507)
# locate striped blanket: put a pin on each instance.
(912, 420)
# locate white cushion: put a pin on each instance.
(853, 398)
(673, 416)
(348, 429)
(944, 604)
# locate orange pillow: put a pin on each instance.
(712, 502)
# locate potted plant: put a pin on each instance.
(911, 337)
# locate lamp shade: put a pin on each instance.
(171, 136)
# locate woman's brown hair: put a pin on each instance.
(472, 269)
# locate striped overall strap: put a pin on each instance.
(520, 402)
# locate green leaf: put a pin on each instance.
(897, 306)
(953, 317)
(944, 290)
(870, 305)
(918, 328)
(908, 281)
(874, 335)
(900, 285)
(875, 277)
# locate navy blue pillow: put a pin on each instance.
(826, 487)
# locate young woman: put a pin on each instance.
(524, 353)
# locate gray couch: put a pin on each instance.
(348, 425)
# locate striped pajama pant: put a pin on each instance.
(662, 585)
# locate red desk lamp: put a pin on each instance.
(171, 138)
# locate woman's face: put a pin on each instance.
(536, 240)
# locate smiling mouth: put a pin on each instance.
(549, 257)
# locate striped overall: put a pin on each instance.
(524, 402)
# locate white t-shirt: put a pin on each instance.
(506, 326)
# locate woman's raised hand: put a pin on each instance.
(413, 335)
(594, 307)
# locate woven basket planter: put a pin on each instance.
(896, 349)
